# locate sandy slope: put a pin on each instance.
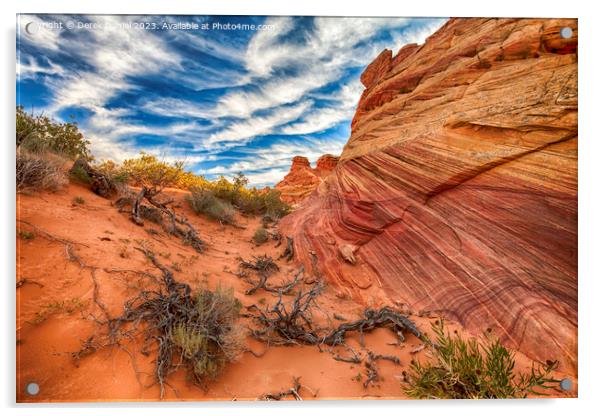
(105, 238)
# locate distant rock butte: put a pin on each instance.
(302, 179)
(457, 190)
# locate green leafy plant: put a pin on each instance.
(469, 369)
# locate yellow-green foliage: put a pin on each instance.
(149, 170)
(214, 337)
(469, 369)
(113, 171)
(40, 134)
(250, 201)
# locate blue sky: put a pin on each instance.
(223, 100)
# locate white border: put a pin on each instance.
(590, 230)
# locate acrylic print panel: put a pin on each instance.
(287, 208)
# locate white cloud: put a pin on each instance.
(265, 52)
(288, 103)
(256, 126)
(269, 177)
(273, 93)
(30, 68)
(174, 107)
(335, 44)
(320, 119)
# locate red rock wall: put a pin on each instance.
(457, 190)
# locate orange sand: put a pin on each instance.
(106, 239)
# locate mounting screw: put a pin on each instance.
(566, 33)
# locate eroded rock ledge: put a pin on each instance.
(457, 190)
(302, 179)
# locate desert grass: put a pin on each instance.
(205, 202)
(473, 369)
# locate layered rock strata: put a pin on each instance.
(457, 190)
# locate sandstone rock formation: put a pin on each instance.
(302, 179)
(458, 185)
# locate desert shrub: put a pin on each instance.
(114, 172)
(41, 172)
(469, 369)
(260, 236)
(263, 202)
(205, 202)
(148, 170)
(78, 200)
(26, 235)
(39, 134)
(79, 174)
(250, 201)
(214, 337)
(187, 180)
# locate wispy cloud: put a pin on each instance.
(265, 95)
(256, 126)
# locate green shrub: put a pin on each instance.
(260, 236)
(262, 202)
(214, 337)
(26, 235)
(78, 174)
(40, 172)
(468, 369)
(79, 200)
(113, 171)
(40, 134)
(205, 202)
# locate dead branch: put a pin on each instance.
(394, 359)
(292, 324)
(293, 391)
(265, 267)
(371, 373)
(101, 184)
(156, 312)
(25, 280)
(176, 225)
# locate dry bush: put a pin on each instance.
(214, 337)
(195, 330)
(260, 236)
(39, 172)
